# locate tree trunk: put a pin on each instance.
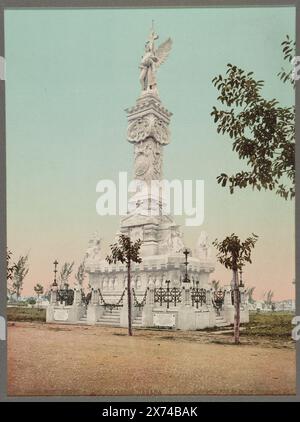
(129, 300)
(236, 299)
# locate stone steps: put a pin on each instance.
(83, 320)
(221, 322)
(110, 318)
(137, 322)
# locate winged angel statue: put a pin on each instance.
(151, 61)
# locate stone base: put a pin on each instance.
(228, 314)
(186, 318)
(180, 317)
(245, 315)
(94, 312)
(202, 320)
(61, 313)
(147, 316)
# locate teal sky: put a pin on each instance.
(69, 76)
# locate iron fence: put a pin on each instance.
(65, 295)
(167, 295)
(198, 296)
(218, 299)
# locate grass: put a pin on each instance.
(26, 314)
(272, 324)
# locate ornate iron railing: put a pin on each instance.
(198, 296)
(167, 295)
(65, 295)
(86, 298)
(218, 299)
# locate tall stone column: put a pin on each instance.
(150, 296)
(53, 296)
(211, 309)
(186, 296)
(95, 297)
(77, 296)
(148, 131)
(244, 311)
(147, 312)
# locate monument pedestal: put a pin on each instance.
(94, 313)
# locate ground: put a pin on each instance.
(48, 359)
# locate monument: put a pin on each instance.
(168, 290)
(162, 241)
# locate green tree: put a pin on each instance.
(263, 132)
(269, 298)
(233, 254)
(288, 49)
(39, 290)
(19, 273)
(31, 301)
(126, 252)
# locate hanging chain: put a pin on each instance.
(111, 306)
(143, 301)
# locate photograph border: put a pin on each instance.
(129, 4)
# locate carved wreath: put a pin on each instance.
(145, 127)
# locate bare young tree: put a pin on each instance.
(9, 273)
(269, 298)
(250, 292)
(65, 273)
(80, 275)
(126, 251)
(215, 284)
(19, 273)
(9, 267)
(233, 254)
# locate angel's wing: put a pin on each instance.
(163, 51)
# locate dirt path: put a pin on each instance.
(80, 360)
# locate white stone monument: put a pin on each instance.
(161, 296)
(162, 242)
